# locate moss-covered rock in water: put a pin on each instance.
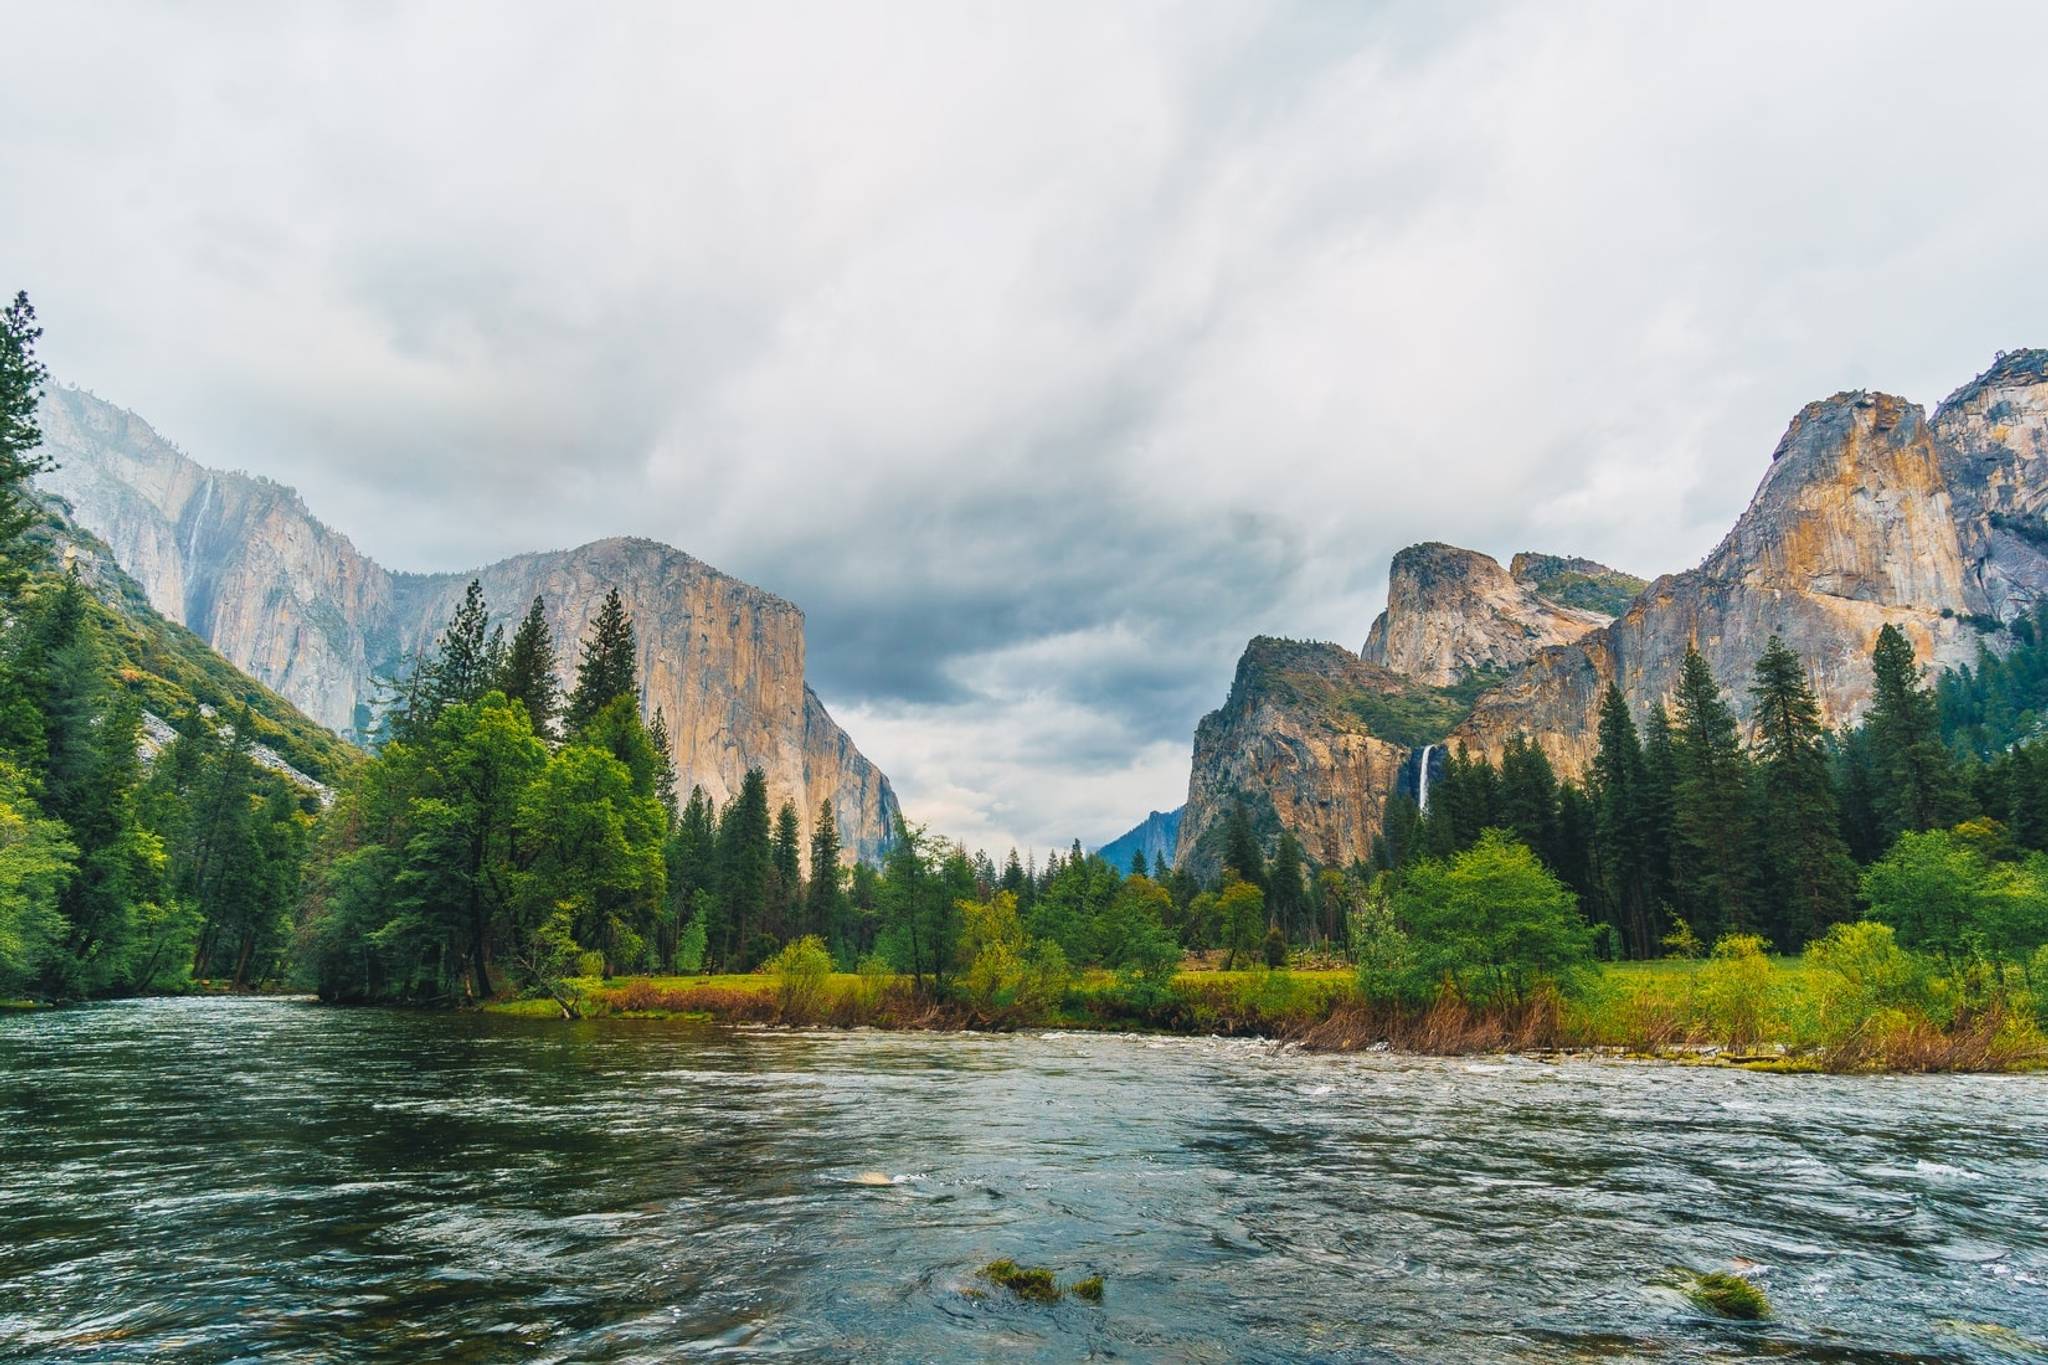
(1729, 1296)
(1089, 1289)
(1032, 1283)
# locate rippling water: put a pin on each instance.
(221, 1179)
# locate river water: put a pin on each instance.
(242, 1179)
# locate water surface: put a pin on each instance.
(237, 1179)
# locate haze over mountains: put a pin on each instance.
(243, 564)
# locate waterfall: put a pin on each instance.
(192, 531)
(1422, 780)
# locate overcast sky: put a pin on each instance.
(1042, 353)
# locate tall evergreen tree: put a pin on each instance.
(665, 776)
(528, 673)
(463, 668)
(610, 665)
(1807, 876)
(1617, 799)
(786, 886)
(1710, 807)
(1241, 847)
(745, 866)
(1528, 798)
(824, 898)
(1918, 788)
(1287, 897)
(22, 377)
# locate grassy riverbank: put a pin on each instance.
(1773, 1013)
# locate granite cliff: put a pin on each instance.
(1292, 741)
(243, 563)
(1454, 613)
(1870, 513)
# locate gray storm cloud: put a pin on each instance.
(1043, 354)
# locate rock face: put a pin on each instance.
(1866, 517)
(1453, 613)
(243, 564)
(1288, 742)
(1871, 514)
(1156, 837)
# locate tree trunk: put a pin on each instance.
(242, 959)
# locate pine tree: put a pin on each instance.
(824, 912)
(1160, 872)
(1659, 792)
(786, 886)
(1917, 784)
(1617, 798)
(22, 377)
(1710, 807)
(1528, 798)
(745, 866)
(665, 777)
(1807, 874)
(693, 871)
(1241, 847)
(1287, 898)
(528, 673)
(609, 668)
(463, 668)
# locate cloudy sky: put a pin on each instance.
(1042, 352)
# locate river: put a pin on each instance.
(217, 1179)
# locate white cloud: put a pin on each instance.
(1042, 353)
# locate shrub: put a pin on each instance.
(590, 965)
(690, 947)
(1495, 922)
(1735, 988)
(1275, 947)
(1858, 970)
(801, 970)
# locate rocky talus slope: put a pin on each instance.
(242, 563)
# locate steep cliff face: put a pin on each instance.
(1993, 437)
(1291, 742)
(243, 563)
(1852, 528)
(1454, 613)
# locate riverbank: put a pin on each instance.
(1780, 1014)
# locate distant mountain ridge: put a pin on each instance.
(243, 563)
(1157, 837)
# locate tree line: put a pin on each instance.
(116, 876)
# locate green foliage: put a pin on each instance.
(1420, 714)
(689, 956)
(36, 862)
(1494, 922)
(800, 970)
(1241, 917)
(609, 668)
(1576, 583)
(1942, 894)
(1736, 987)
(527, 672)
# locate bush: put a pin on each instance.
(690, 947)
(1275, 947)
(590, 965)
(1494, 922)
(1735, 988)
(1858, 971)
(801, 970)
